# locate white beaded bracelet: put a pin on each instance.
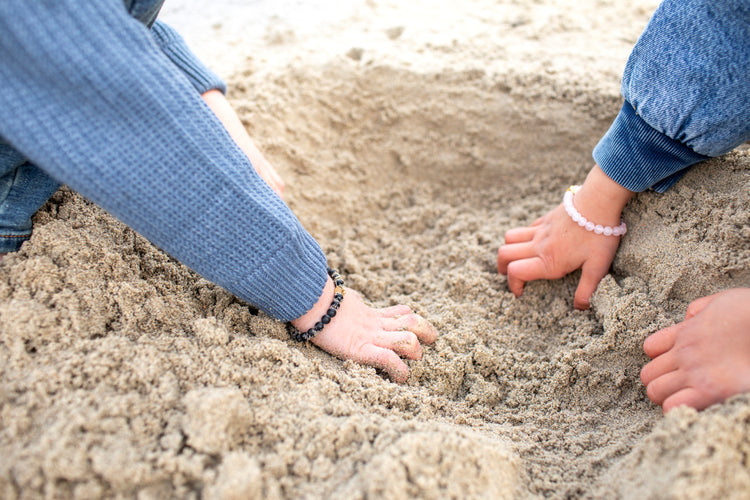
(587, 224)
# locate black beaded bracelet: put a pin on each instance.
(338, 296)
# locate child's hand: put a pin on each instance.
(704, 359)
(554, 245)
(374, 337)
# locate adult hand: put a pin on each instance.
(554, 245)
(704, 359)
(374, 337)
(226, 115)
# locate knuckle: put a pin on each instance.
(408, 321)
(383, 358)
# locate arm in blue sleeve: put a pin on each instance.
(175, 48)
(88, 96)
(687, 94)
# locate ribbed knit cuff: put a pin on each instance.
(639, 157)
(175, 48)
(290, 283)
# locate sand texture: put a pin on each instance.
(411, 138)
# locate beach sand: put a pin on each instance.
(411, 137)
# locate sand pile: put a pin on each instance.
(123, 374)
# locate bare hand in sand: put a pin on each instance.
(705, 359)
(374, 337)
(554, 245)
(226, 115)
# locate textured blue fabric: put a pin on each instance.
(645, 158)
(24, 188)
(175, 48)
(688, 79)
(90, 99)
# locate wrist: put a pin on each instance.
(308, 320)
(298, 330)
(601, 199)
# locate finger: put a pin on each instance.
(661, 365)
(698, 305)
(660, 342)
(394, 311)
(592, 273)
(521, 271)
(414, 323)
(384, 359)
(516, 251)
(519, 235)
(666, 385)
(403, 343)
(686, 397)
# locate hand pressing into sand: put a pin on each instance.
(374, 337)
(554, 245)
(226, 115)
(705, 359)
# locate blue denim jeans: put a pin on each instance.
(24, 188)
(686, 87)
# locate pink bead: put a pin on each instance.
(585, 223)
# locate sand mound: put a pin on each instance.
(125, 374)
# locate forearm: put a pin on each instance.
(100, 108)
(601, 199)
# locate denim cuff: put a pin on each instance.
(175, 48)
(10, 242)
(639, 157)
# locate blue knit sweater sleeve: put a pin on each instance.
(175, 48)
(88, 96)
(687, 94)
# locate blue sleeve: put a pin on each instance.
(175, 48)
(687, 94)
(88, 96)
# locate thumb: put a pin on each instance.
(592, 273)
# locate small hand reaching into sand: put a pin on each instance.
(704, 359)
(554, 245)
(374, 337)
